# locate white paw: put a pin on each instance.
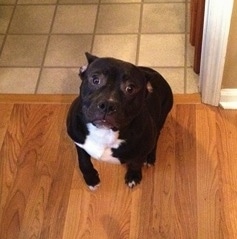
(94, 188)
(132, 184)
(148, 165)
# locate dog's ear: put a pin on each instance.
(82, 70)
(90, 58)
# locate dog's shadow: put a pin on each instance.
(111, 226)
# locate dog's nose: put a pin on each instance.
(107, 107)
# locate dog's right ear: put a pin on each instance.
(82, 70)
(90, 58)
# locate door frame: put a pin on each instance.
(217, 19)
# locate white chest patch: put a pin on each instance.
(99, 142)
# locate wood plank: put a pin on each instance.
(185, 198)
(62, 167)
(5, 114)
(227, 151)
(163, 209)
(77, 221)
(208, 195)
(105, 212)
(111, 204)
(136, 215)
(10, 159)
(144, 204)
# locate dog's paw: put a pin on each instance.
(148, 165)
(93, 188)
(131, 184)
(132, 178)
(151, 158)
(92, 180)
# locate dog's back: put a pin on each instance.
(160, 94)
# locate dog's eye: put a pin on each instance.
(95, 80)
(130, 88)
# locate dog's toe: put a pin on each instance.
(94, 188)
(92, 180)
(148, 165)
(131, 184)
(132, 178)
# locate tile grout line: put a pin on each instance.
(186, 47)
(107, 33)
(73, 66)
(46, 48)
(95, 26)
(139, 33)
(8, 27)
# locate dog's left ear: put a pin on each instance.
(90, 58)
(149, 87)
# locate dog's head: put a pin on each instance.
(112, 92)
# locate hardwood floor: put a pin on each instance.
(190, 193)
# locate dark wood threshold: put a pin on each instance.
(68, 98)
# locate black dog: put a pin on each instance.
(118, 116)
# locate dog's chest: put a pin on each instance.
(99, 142)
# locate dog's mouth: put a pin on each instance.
(104, 124)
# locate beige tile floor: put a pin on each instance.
(42, 42)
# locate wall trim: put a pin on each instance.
(216, 27)
(228, 99)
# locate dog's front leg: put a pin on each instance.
(133, 175)
(90, 175)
